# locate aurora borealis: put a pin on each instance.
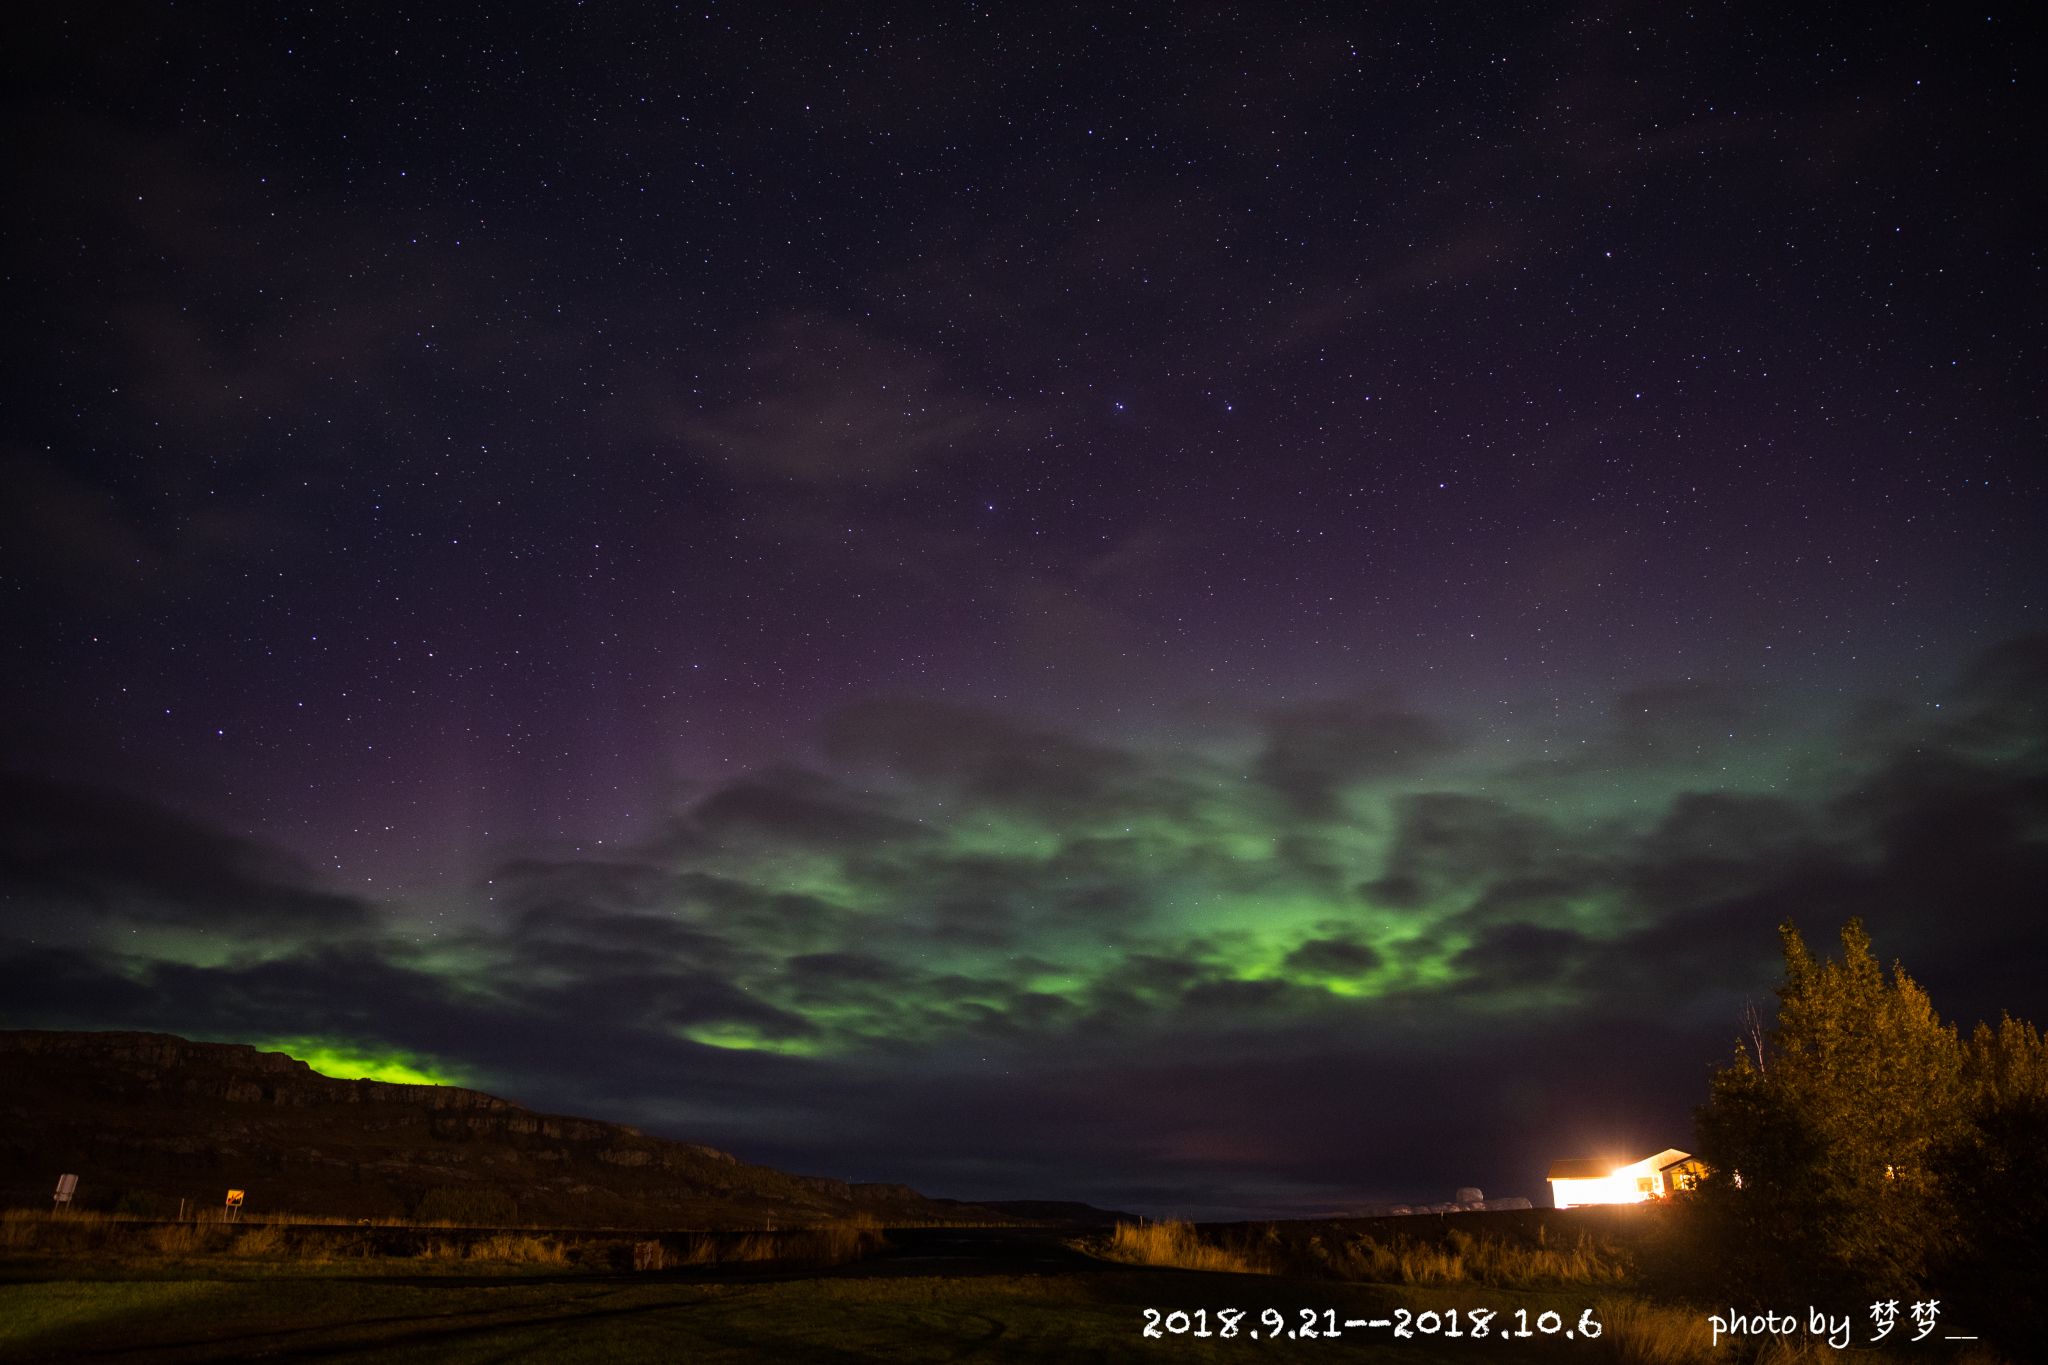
(1220, 612)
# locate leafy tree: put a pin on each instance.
(1821, 1146)
(1995, 1174)
(1862, 1149)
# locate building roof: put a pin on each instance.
(1599, 1168)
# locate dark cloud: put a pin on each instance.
(1313, 750)
(793, 806)
(539, 889)
(1239, 1002)
(2003, 700)
(558, 942)
(1333, 958)
(1680, 722)
(358, 992)
(789, 920)
(1450, 840)
(1714, 846)
(1522, 954)
(828, 969)
(117, 856)
(660, 1000)
(1392, 893)
(981, 755)
(1732, 827)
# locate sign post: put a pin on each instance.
(235, 1205)
(66, 1186)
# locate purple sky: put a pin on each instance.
(1215, 609)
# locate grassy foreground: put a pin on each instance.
(295, 1311)
(103, 1292)
(1611, 1262)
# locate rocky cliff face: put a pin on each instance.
(152, 1119)
(228, 1071)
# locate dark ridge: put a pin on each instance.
(146, 1120)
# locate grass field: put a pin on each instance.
(612, 1318)
(925, 1295)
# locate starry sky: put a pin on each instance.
(1226, 610)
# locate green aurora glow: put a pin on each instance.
(960, 885)
(1063, 886)
(1063, 953)
(348, 1062)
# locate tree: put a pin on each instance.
(1821, 1148)
(1995, 1176)
(1862, 1149)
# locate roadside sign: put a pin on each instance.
(234, 1199)
(66, 1185)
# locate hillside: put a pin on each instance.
(148, 1119)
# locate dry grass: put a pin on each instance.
(176, 1239)
(517, 1249)
(1798, 1351)
(17, 1230)
(711, 1249)
(1640, 1333)
(1175, 1244)
(209, 1216)
(1637, 1331)
(66, 1229)
(309, 1241)
(1462, 1259)
(824, 1244)
(259, 1243)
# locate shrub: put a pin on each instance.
(179, 1239)
(265, 1241)
(513, 1247)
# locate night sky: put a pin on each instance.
(1219, 610)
